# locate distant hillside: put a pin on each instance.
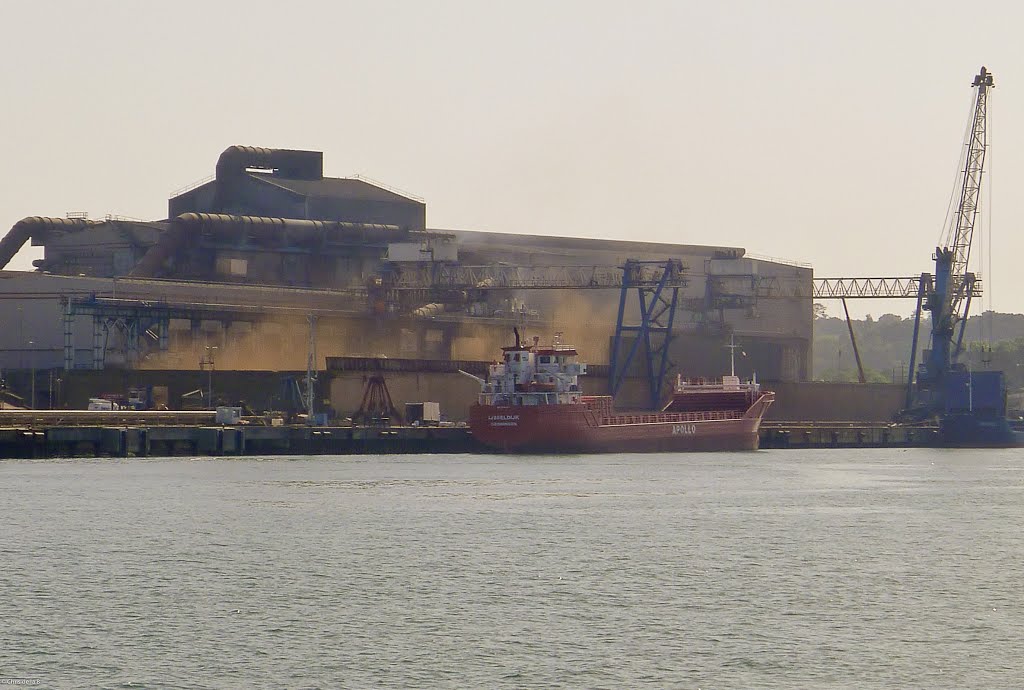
(884, 345)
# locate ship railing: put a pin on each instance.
(671, 417)
(599, 404)
(496, 399)
(528, 398)
(696, 386)
(703, 382)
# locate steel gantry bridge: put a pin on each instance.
(768, 287)
(886, 288)
(918, 288)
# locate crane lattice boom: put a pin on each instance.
(961, 227)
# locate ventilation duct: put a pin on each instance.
(284, 231)
(299, 165)
(36, 227)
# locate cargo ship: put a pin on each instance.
(532, 402)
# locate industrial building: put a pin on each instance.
(244, 259)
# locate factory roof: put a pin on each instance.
(335, 187)
(476, 238)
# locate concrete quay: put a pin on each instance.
(847, 435)
(158, 441)
(75, 437)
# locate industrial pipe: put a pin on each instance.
(220, 223)
(298, 165)
(282, 230)
(235, 160)
(35, 226)
(430, 309)
(170, 242)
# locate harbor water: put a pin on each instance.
(880, 568)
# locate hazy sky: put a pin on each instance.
(820, 131)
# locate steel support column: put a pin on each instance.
(163, 337)
(69, 335)
(98, 328)
(658, 302)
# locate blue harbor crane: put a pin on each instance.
(969, 405)
(947, 296)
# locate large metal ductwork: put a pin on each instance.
(431, 309)
(36, 226)
(282, 231)
(236, 160)
(152, 262)
(299, 165)
(297, 228)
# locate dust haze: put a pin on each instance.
(582, 319)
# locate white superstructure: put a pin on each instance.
(534, 375)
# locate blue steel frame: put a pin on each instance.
(657, 315)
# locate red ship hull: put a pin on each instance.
(580, 429)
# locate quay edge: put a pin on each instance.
(52, 441)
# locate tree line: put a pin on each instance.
(991, 341)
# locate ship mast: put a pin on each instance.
(732, 354)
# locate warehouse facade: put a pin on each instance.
(269, 238)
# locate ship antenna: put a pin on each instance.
(732, 354)
(516, 331)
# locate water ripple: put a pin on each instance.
(836, 569)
